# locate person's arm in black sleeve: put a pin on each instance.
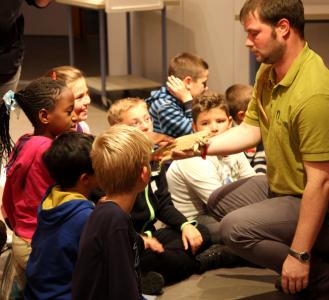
(167, 212)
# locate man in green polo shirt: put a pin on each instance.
(280, 221)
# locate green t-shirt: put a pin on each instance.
(297, 109)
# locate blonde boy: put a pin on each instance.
(109, 246)
(170, 107)
(192, 180)
(133, 112)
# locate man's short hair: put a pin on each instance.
(187, 64)
(118, 156)
(206, 102)
(238, 97)
(114, 114)
(69, 157)
(272, 11)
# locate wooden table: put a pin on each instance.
(106, 83)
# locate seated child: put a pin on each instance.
(108, 260)
(181, 239)
(238, 97)
(61, 216)
(48, 104)
(76, 81)
(170, 107)
(192, 180)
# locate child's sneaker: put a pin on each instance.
(152, 283)
(216, 256)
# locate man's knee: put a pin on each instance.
(233, 230)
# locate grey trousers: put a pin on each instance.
(260, 227)
(213, 226)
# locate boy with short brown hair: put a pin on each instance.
(238, 97)
(170, 107)
(191, 181)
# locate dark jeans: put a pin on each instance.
(260, 226)
(174, 264)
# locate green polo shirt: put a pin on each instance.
(297, 109)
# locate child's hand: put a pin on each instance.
(152, 243)
(192, 236)
(177, 88)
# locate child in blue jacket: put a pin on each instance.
(61, 217)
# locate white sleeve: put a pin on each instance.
(201, 176)
(245, 169)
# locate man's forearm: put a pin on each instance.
(313, 210)
(235, 140)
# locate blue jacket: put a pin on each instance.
(55, 244)
(170, 116)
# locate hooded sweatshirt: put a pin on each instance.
(27, 181)
(55, 244)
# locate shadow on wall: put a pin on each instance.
(317, 36)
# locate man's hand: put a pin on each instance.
(294, 275)
(177, 88)
(192, 236)
(160, 138)
(152, 244)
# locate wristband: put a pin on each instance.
(204, 151)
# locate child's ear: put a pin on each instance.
(88, 180)
(43, 116)
(240, 114)
(84, 178)
(145, 175)
(194, 127)
(230, 122)
(187, 81)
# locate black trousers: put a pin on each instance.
(174, 264)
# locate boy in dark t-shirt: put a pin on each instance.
(109, 246)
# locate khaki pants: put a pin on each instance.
(21, 253)
(15, 266)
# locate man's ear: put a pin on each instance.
(187, 81)
(283, 27)
(43, 116)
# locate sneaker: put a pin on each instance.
(152, 283)
(217, 256)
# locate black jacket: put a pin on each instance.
(157, 206)
(11, 37)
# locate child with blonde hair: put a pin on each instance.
(76, 81)
(62, 214)
(170, 107)
(110, 248)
